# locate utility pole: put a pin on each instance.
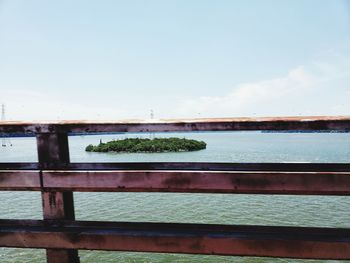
(152, 117)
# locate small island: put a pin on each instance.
(145, 145)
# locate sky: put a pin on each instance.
(180, 58)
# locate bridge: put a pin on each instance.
(57, 178)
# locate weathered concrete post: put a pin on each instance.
(53, 153)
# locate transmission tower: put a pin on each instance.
(4, 140)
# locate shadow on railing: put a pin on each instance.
(57, 179)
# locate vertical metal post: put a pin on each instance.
(53, 153)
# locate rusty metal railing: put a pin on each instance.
(57, 179)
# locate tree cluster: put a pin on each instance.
(137, 145)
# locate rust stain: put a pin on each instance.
(178, 181)
(52, 199)
(250, 181)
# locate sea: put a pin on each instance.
(282, 210)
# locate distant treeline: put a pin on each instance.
(296, 131)
(145, 145)
(15, 135)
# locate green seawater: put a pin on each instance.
(318, 211)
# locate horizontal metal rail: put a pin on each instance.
(190, 166)
(340, 123)
(294, 183)
(291, 242)
(20, 180)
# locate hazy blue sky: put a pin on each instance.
(119, 59)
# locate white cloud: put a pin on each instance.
(318, 88)
(315, 89)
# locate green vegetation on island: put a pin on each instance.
(144, 145)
